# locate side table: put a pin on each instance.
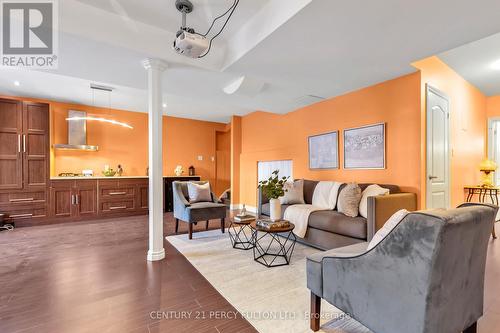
(483, 192)
(274, 247)
(240, 234)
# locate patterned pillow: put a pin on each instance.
(199, 192)
(294, 193)
(348, 201)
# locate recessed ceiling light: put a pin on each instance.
(17, 83)
(164, 105)
(496, 65)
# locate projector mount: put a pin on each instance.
(185, 7)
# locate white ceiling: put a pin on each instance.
(162, 14)
(474, 62)
(296, 47)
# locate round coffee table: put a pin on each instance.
(273, 248)
(240, 233)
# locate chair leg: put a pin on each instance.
(190, 230)
(176, 225)
(222, 224)
(316, 311)
(207, 225)
(472, 328)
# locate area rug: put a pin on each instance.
(271, 299)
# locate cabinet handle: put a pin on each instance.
(117, 193)
(19, 200)
(24, 143)
(21, 216)
(19, 143)
(72, 199)
(120, 207)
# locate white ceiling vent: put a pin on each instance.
(308, 100)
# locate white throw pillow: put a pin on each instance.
(371, 191)
(391, 223)
(294, 193)
(199, 192)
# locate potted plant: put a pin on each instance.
(273, 188)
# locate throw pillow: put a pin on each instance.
(348, 201)
(294, 193)
(371, 191)
(391, 223)
(199, 192)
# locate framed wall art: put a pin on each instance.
(324, 151)
(364, 147)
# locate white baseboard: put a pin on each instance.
(250, 209)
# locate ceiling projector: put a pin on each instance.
(190, 44)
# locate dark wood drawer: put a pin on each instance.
(107, 192)
(25, 212)
(117, 206)
(23, 198)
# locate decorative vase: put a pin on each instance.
(275, 209)
(178, 171)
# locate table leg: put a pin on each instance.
(470, 194)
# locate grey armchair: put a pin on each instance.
(195, 212)
(426, 276)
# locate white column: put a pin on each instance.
(155, 67)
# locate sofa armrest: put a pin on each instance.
(382, 207)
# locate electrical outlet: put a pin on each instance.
(213, 158)
(200, 158)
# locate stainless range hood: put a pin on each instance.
(77, 133)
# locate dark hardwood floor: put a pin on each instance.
(92, 277)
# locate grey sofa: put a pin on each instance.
(331, 229)
(195, 212)
(425, 276)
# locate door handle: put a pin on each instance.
(24, 143)
(19, 143)
(432, 177)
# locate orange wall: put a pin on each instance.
(184, 140)
(468, 125)
(493, 106)
(223, 161)
(266, 136)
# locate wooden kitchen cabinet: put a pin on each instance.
(85, 198)
(24, 159)
(73, 199)
(118, 197)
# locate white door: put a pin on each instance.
(438, 157)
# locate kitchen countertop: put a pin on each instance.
(114, 177)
